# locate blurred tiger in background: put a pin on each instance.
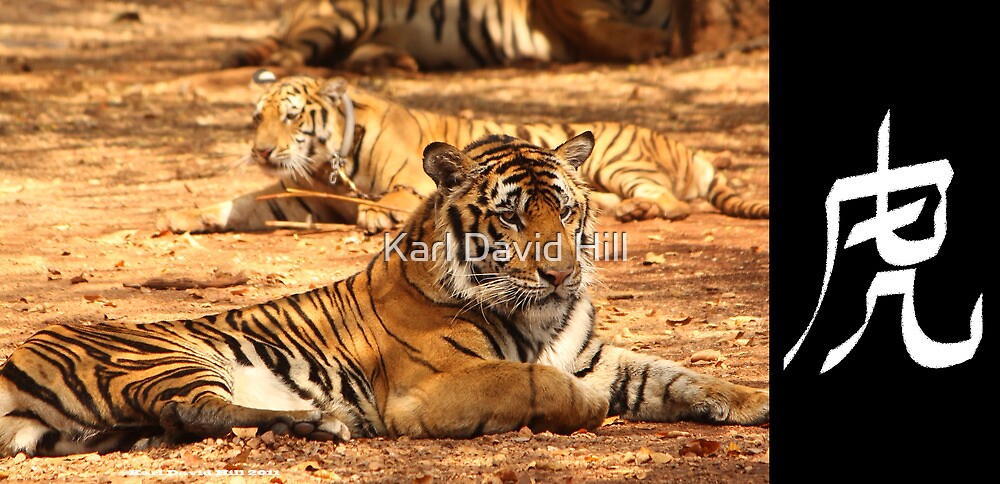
(436, 34)
(408, 346)
(323, 135)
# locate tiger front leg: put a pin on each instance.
(642, 387)
(496, 397)
(245, 213)
(215, 417)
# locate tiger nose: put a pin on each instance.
(263, 153)
(554, 277)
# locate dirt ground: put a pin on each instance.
(112, 112)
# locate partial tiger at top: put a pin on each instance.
(305, 126)
(441, 34)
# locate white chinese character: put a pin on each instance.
(896, 251)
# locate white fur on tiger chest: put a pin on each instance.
(258, 387)
(562, 352)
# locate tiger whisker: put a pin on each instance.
(240, 163)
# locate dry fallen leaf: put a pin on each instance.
(190, 240)
(672, 434)
(244, 432)
(323, 474)
(643, 456)
(661, 457)
(742, 320)
(190, 459)
(699, 448)
(679, 320)
(652, 258)
(308, 466)
(733, 449)
(274, 278)
(706, 355)
(615, 420)
(547, 465)
(237, 461)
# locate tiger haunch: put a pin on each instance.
(404, 347)
(299, 125)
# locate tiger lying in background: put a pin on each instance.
(408, 346)
(306, 129)
(434, 34)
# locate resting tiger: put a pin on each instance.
(435, 34)
(461, 344)
(301, 128)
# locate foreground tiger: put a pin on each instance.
(454, 347)
(303, 133)
(433, 34)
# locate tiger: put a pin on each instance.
(459, 342)
(364, 35)
(323, 135)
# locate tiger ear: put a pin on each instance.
(334, 88)
(445, 164)
(577, 149)
(262, 79)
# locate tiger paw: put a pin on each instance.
(370, 58)
(648, 43)
(209, 219)
(639, 208)
(286, 58)
(324, 429)
(726, 403)
(374, 219)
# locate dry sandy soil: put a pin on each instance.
(111, 113)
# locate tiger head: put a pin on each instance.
(297, 125)
(513, 215)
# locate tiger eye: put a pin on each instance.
(509, 217)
